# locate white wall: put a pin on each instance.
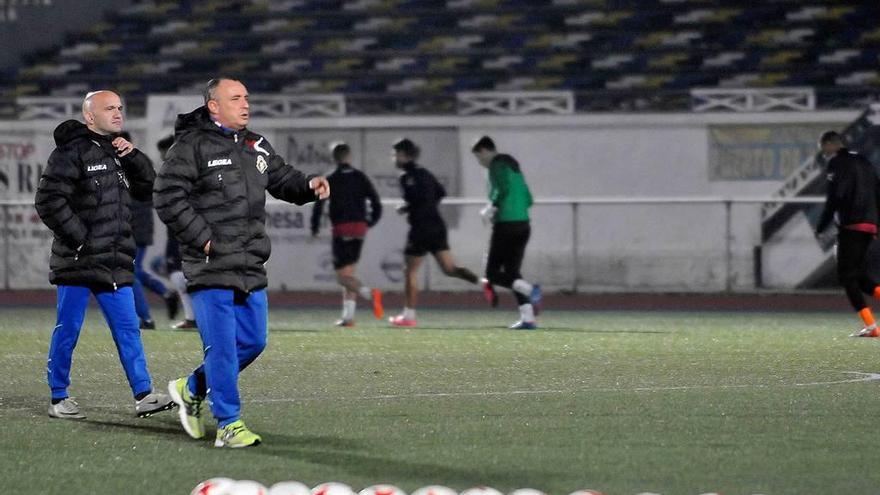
(642, 247)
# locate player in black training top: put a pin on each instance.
(350, 191)
(427, 231)
(853, 197)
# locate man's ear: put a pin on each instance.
(213, 106)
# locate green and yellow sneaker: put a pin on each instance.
(236, 435)
(189, 408)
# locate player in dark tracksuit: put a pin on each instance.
(427, 234)
(142, 231)
(84, 197)
(853, 195)
(508, 210)
(350, 190)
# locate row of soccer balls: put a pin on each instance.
(226, 486)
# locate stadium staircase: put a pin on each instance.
(790, 254)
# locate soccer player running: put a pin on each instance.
(508, 210)
(351, 190)
(84, 197)
(211, 192)
(853, 195)
(427, 233)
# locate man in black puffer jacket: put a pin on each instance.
(211, 192)
(84, 197)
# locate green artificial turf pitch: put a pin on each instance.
(671, 403)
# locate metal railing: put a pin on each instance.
(576, 205)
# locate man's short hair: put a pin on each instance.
(408, 147)
(830, 137)
(340, 151)
(165, 143)
(484, 143)
(211, 87)
(87, 100)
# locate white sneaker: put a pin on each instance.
(66, 409)
(871, 331)
(151, 404)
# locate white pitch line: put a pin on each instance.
(864, 377)
(860, 378)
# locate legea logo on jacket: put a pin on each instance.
(220, 162)
(95, 168)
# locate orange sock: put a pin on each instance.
(877, 292)
(867, 317)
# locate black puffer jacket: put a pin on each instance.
(84, 197)
(213, 186)
(142, 222)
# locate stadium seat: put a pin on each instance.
(443, 46)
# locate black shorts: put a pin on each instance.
(346, 251)
(420, 242)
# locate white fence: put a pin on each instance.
(578, 244)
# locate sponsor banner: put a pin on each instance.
(760, 152)
(309, 150)
(30, 243)
(22, 160)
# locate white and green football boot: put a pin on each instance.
(236, 435)
(189, 408)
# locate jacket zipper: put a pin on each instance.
(99, 193)
(247, 199)
(121, 186)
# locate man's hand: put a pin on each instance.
(208, 248)
(122, 146)
(320, 186)
(488, 213)
(825, 236)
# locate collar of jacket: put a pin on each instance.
(71, 130)
(227, 131)
(201, 119)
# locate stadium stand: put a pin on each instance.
(414, 55)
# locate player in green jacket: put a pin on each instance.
(508, 210)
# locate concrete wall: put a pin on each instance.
(621, 247)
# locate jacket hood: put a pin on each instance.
(200, 119)
(71, 130)
(186, 122)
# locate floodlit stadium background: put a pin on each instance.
(670, 145)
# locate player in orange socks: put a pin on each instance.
(853, 196)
